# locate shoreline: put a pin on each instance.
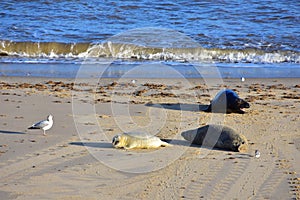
(76, 160)
(148, 69)
(41, 78)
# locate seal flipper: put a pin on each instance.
(207, 109)
(165, 144)
(241, 111)
(129, 146)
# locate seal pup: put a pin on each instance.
(137, 140)
(227, 101)
(44, 124)
(217, 136)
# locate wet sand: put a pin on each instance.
(77, 161)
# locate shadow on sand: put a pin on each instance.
(179, 106)
(11, 132)
(188, 107)
(93, 144)
(188, 144)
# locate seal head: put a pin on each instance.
(116, 140)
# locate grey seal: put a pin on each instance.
(217, 136)
(227, 101)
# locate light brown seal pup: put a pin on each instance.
(137, 140)
(217, 136)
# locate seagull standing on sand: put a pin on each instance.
(257, 154)
(45, 124)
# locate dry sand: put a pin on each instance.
(76, 159)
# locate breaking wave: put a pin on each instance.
(119, 50)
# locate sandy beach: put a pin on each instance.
(77, 161)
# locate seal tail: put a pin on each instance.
(189, 135)
(207, 109)
(165, 144)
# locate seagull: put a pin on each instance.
(257, 154)
(45, 124)
(242, 79)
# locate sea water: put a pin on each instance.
(150, 38)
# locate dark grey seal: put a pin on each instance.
(227, 101)
(217, 136)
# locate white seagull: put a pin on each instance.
(45, 124)
(257, 154)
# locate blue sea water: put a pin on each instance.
(240, 38)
